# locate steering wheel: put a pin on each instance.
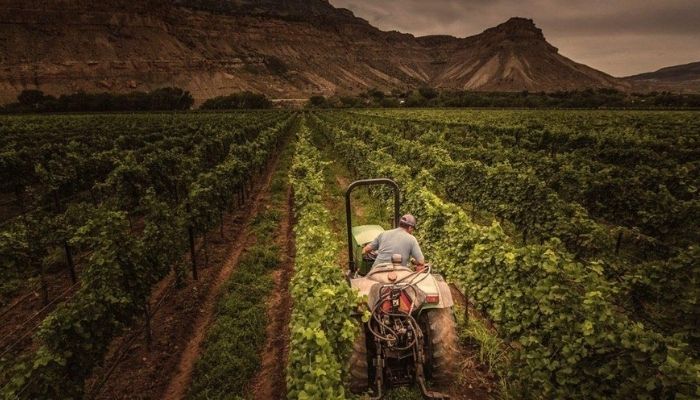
(370, 256)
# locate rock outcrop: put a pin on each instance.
(283, 48)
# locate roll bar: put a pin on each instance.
(348, 209)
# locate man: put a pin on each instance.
(397, 241)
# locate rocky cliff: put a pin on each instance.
(283, 48)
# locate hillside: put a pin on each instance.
(283, 48)
(678, 78)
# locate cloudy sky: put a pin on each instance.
(620, 37)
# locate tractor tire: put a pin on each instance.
(442, 346)
(358, 371)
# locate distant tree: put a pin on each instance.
(317, 102)
(397, 93)
(170, 98)
(415, 99)
(351, 102)
(376, 94)
(428, 92)
(30, 98)
(241, 100)
(390, 102)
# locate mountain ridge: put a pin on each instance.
(675, 78)
(283, 48)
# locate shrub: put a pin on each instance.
(241, 100)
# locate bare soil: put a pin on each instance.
(270, 382)
(182, 316)
(475, 382)
(26, 310)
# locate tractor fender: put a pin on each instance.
(445, 294)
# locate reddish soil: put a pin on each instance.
(163, 369)
(475, 382)
(270, 382)
(23, 314)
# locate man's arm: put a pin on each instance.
(373, 245)
(418, 255)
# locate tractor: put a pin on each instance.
(411, 337)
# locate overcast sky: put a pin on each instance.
(621, 37)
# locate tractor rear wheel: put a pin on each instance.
(442, 346)
(358, 376)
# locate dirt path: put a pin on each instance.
(177, 388)
(163, 368)
(270, 382)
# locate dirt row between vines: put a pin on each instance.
(270, 383)
(163, 368)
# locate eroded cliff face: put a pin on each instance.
(283, 48)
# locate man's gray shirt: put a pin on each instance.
(396, 241)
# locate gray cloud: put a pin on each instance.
(621, 37)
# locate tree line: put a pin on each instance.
(177, 99)
(35, 101)
(430, 97)
(163, 99)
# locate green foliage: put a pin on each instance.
(574, 342)
(128, 181)
(15, 257)
(230, 356)
(415, 99)
(124, 262)
(586, 98)
(571, 338)
(115, 283)
(31, 98)
(322, 329)
(493, 352)
(241, 100)
(492, 349)
(77, 333)
(351, 102)
(428, 92)
(317, 101)
(168, 98)
(652, 286)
